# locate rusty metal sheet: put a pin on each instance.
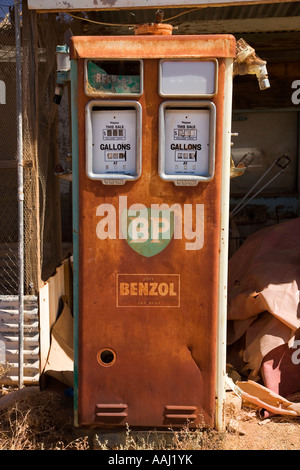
(147, 325)
(150, 47)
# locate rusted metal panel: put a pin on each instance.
(151, 47)
(151, 363)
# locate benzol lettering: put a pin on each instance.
(148, 290)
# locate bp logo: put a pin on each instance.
(147, 231)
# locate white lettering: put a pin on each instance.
(160, 222)
(138, 228)
(2, 92)
(190, 234)
(166, 211)
(122, 207)
(295, 358)
(296, 94)
(120, 460)
(109, 220)
(160, 225)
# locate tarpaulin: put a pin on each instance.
(60, 359)
(263, 306)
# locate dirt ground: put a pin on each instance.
(42, 420)
(246, 430)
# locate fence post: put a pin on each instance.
(20, 187)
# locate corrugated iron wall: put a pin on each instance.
(9, 340)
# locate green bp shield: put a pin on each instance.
(147, 231)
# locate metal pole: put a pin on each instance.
(20, 186)
(223, 253)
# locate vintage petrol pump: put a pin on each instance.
(151, 158)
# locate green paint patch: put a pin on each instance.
(147, 231)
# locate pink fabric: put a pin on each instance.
(280, 372)
(263, 307)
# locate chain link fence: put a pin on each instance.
(8, 155)
(36, 259)
(44, 148)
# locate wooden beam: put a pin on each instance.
(8, 164)
(246, 93)
(241, 25)
(83, 5)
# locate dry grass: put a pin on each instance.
(201, 438)
(40, 421)
(43, 420)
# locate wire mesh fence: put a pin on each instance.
(46, 146)
(8, 155)
(31, 262)
(40, 34)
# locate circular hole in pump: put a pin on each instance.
(106, 357)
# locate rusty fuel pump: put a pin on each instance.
(151, 145)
